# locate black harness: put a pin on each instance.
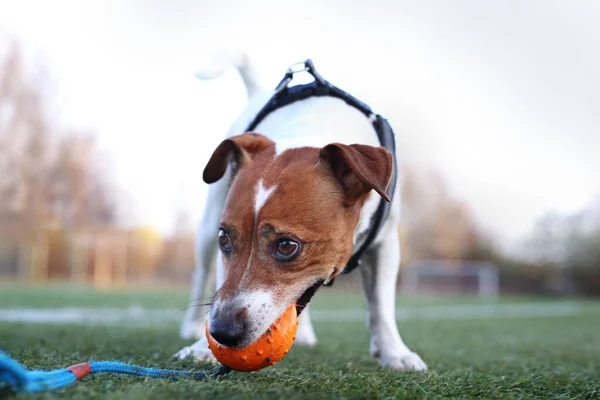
(285, 95)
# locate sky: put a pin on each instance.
(501, 97)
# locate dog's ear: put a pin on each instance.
(237, 150)
(360, 168)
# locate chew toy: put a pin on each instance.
(271, 347)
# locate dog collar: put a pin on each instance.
(285, 95)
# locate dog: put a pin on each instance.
(286, 205)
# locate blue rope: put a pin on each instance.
(100, 367)
(20, 379)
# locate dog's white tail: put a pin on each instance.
(220, 62)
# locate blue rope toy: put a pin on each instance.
(20, 379)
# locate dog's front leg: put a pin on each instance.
(200, 351)
(196, 315)
(192, 326)
(305, 336)
(379, 275)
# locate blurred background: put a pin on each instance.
(104, 132)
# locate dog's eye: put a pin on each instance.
(286, 249)
(224, 240)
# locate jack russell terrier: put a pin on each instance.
(287, 208)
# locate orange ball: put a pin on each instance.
(271, 347)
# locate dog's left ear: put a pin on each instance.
(237, 150)
(360, 168)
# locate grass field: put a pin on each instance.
(512, 356)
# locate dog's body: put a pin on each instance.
(292, 189)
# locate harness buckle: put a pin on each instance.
(293, 70)
(303, 66)
(289, 75)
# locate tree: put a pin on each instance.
(437, 225)
(567, 246)
(48, 173)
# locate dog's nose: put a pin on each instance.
(228, 329)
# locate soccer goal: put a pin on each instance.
(450, 276)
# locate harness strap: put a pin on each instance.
(285, 95)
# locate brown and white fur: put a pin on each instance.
(313, 172)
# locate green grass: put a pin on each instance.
(542, 357)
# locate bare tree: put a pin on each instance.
(46, 172)
(567, 246)
(436, 224)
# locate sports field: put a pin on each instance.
(509, 348)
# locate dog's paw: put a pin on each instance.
(199, 351)
(403, 362)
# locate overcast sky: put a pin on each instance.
(502, 97)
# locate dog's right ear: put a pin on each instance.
(236, 150)
(360, 168)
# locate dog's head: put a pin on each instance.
(287, 225)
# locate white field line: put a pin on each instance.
(145, 317)
(466, 311)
